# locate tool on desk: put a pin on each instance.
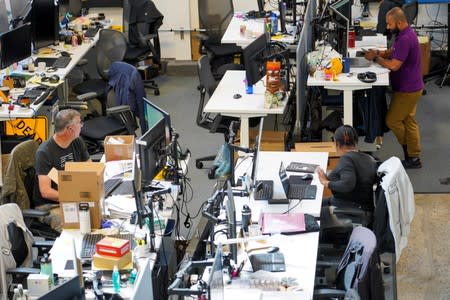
(301, 167)
(271, 262)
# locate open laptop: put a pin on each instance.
(293, 187)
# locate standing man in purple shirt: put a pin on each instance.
(403, 59)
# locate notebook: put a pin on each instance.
(294, 190)
(282, 223)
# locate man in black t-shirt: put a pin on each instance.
(65, 145)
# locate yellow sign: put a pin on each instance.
(36, 127)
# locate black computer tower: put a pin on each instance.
(164, 269)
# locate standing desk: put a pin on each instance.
(300, 250)
(248, 106)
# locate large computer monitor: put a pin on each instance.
(153, 114)
(15, 45)
(231, 221)
(45, 23)
(215, 280)
(254, 59)
(256, 152)
(143, 286)
(341, 16)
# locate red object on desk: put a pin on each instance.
(112, 246)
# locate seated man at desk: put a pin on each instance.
(352, 180)
(65, 145)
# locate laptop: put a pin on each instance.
(359, 62)
(293, 186)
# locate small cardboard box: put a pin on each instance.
(81, 182)
(112, 246)
(271, 140)
(119, 147)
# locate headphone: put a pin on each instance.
(51, 79)
(367, 77)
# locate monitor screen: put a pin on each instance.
(254, 59)
(231, 221)
(45, 22)
(151, 148)
(153, 114)
(341, 13)
(69, 290)
(256, 152)
(137, 190)
(215, 280)
(15, 45)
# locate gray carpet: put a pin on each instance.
(432, 116)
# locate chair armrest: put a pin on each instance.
(43, 244)
(82, 62)
(349, 211)
(326, 293)
(118, 109)
(87, 96)
(22, 271)
(34, 213)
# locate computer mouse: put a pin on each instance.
(273, 249)
(237, 96)
(307, 176)
(65, 53)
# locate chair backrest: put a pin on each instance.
(111, 47)
(410, 9)
(214, 17)
(19, 180)
(207, 86)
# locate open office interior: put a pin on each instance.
(421, 269)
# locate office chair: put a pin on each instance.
(357, 274)
(215, 16)
(212, 122)
(124, 102)
(19, 187)
(111, 47)
(144, 20)
(16, 261)
(410, 9)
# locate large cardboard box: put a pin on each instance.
(271, 140)
(425, 54)
(81, 182)
(119, 147)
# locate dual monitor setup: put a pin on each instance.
(40, 28)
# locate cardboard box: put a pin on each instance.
(81, 182)
(425, 54)
(119, 147)
(271, 140)
(104, 262)
(112, 246)
(38, 284)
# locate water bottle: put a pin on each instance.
(246, 217)
(274, 21)
(85, 218)
(116, 280)
(46, 268)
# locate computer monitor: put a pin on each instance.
(261, 4)
(341, 13)
(69, 290)
(153, 114)
(215, 280)
(256, 152)
(231, 221)
(45, 23)
(282, 9)
(136, 182)
(15, 45)
(254, 59)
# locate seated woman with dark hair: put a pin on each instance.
(352, 180)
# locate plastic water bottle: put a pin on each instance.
(116, 280)
(46, 268)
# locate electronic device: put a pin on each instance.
(271, 262)
(91, 32)
(341, 13)
(152, 145)
(359, 62)
(69, 290)
(15, 45)
(231, 220)
(110, 185)
(143, 285)
(54, 62)
(45, 23)
(301, 167)
(254, 59)
(237, 96)
(282, 9)
(294, 190)
(261, 4)
(90, 240)
(367, 77)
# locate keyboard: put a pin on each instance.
(300, 191)
(301, 167)
(89, 241)
(55, 62)
(271, 262)
(265, 191)
(111, 185)
(91, 32)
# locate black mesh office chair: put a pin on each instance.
(111, 47)
(215, 16)
(144, 20)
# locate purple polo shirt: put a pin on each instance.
(406, 48)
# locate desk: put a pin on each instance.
(348, 84)
(246, 107)
(255, 27)
(267, 169)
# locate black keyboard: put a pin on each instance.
(62, 62)
(89, 241)
(301, 167)
(299, 191)
(91, 32)
(111, 185)
(264, 190)
(271, 262)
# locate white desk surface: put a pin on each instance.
(267, 169)
(247, 106)
(255, 27)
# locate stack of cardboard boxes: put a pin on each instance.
(110, 252)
